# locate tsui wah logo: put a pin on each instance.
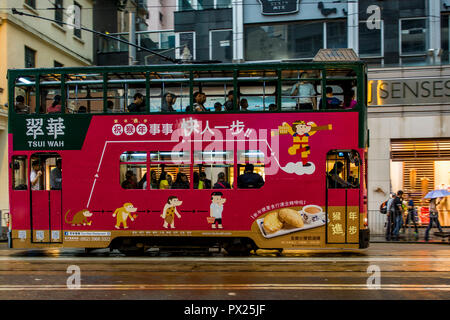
(48, 132)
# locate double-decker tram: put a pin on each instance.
(242, 156)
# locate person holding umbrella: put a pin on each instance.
(436, 197)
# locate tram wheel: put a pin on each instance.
(239, 249)
(132, 251)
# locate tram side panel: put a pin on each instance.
(96, 209)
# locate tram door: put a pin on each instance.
(343, 196)
(46, 197)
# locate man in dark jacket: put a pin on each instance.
(250, 180)
(138, 105)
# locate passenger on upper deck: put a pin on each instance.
(35, 176)
(82, 109)
(305, 92)
(221, 182)
(217, 107)
(139, 103)
(244, 105)
(332, 102)
(229, 103)
(20, 105)
(199, 100)
(349, 100)
(55, 107)
(168, 102)
(109, 106)
(250, 180)
(272, 107)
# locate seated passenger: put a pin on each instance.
(333, 178)
(139, 103)
(244, 105)
(55, 107)
(109, 106)
(153, 181)
(20, 105)
(221, 182)
(82, 109)
(130, 181)
(332, 102)
(168, 102)
(199, 100)
(206, 182)
(217, 107)
(272, 107)
(250, 180)
(349, 100)
(228, 105)
(181, 182)
(163, 182)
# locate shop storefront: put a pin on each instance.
(419, 166)
(409, 117)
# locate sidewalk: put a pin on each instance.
(409, 237)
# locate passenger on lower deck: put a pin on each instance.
(250, 180)
(221, 182)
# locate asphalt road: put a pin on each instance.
(406, 271)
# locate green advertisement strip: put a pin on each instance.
(49, 132)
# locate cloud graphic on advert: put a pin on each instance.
(298, 168)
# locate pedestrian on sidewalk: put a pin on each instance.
(411, 214)
(434, 217)
(398, 214)
(389, 216)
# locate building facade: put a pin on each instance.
(27, 42)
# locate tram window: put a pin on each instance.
(299, 89)
(25, 95)
(133, 169)
(46, 172)
(50, 93)
(166, 176)
(213, 169)
(84, 93)
(19, 173)
(250, 169)
(257, 96)
(341, 89)
(257, 89)
(343, 169)
(170, 156)
(217, 96)
(131, 175)
(133, 156)
(169, 97)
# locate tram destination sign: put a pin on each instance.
(50, 132)
(394, 92)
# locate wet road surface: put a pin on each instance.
(407, 271)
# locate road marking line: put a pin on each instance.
(391, 287)
(215, 259)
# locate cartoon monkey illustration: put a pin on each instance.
(80, 218)
(123, 213)
(301, 131)
(170, 211)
